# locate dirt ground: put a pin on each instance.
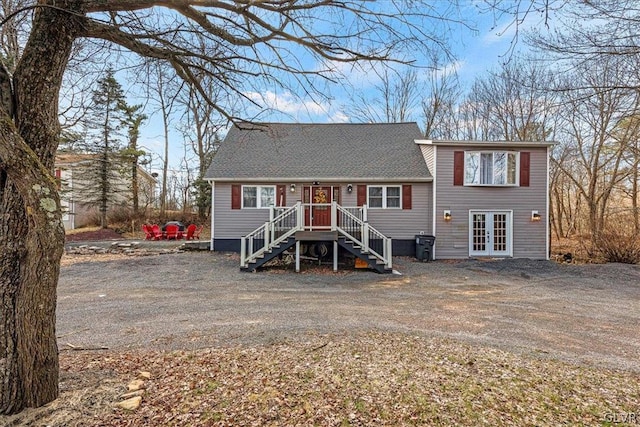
(584, 315)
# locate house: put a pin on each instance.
(489, 199)
(369, 189)
(70, 171)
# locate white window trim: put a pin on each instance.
(258, 200)
(480, 152)
(384, 196)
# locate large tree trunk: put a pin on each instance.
(31, 231)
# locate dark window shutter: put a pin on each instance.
(525, 168)
(406, 197)
(236, 196)
(281, 197)
(362, 195)
(458, 168)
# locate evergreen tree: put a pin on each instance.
(131, 155)
(99, 181)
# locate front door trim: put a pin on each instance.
(317, 200)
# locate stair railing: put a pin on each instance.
(362, 234)
(282, 224)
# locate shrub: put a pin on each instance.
(619, 245)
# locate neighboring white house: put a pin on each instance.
(78, 213)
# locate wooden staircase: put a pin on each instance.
(266, 256)
(374, 262)
(287, 226)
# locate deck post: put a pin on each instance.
(334, 215)
(243, 250)
(298, 256)
(267, 235)
(300, 215)
(365, 236)
(335, 255)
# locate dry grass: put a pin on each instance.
(578, 246)
(369, 379)
(81, 230)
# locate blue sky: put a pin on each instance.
(476, 52)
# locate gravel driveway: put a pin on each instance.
(585, 314)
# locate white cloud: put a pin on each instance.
(451, 68)
(507, 30)
(338, 117)
(294, 108)
(362, 74)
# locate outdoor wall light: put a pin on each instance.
(349, 188)
(447, 215)
(535, 216)
(292, 188)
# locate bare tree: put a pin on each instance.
(246, 45)
(440, 103)
(395, 98)
(512, 104)
(628, 136)
(566, 203)
(589, 31)
(596, 136)
(201, 128)
(164, 91)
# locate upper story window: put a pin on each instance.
(490, 168)
(384, 196)
(257, 196)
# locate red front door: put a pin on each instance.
(317, 211)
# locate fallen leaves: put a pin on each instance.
(360, 379)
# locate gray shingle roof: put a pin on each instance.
(321, 152)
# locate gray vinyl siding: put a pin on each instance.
(429, 156)
(234, 223)
(452, 237)
(395, 223)
(405, 223)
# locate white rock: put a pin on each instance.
(130, 404)
(135, 385)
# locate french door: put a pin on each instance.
(490, 233)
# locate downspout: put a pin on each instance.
(548, 235)
(433, 199)
(213, 214)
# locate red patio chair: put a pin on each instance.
(191, 229)
(196, 235)
(157, 232)
(148, 232)
(172, 232)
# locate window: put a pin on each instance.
(384, 197)
(490, 168)
(258, 196)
